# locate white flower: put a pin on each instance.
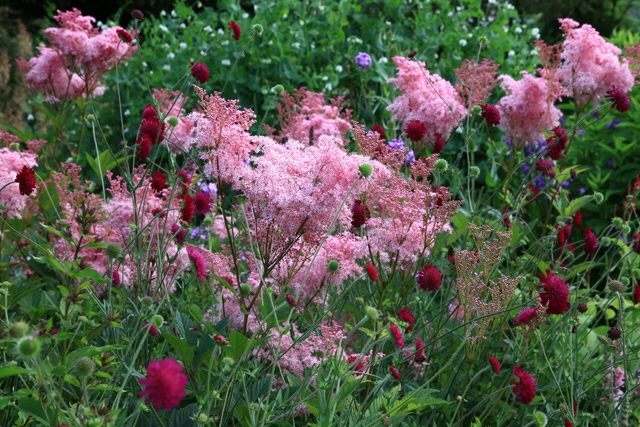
(338, 68)
(163, 28)
(517, 30)
(166, 46)
(182, 45)
(30, 117)
(224, 42)
(225, 62)
(163, 13)
(144, 64)
(266, 60)
(301, 23)
(328, 87)
(383, 60)
(171, 55)
(534, 52)
(535, 32)
(207, 29)
(203, 53)
(245, 15)
(463, 42)
(295, 45)
(325, 78)
(127, 112)
(166, 67)
(173, 13)
(511, 53)
(221, 31)
(183, 26)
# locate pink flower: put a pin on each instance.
(495, 364)
(165, 383)
(372, 272)
(395, 372)
(527, 111)
(555, 294)
(426, 97)
(397, 335)
(199, 262)
(525, 387)
(525, 316)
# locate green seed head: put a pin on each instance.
(365, 169)
(157, 320)
(29, 346)
(85, 366)
(19, 329)
(372, 312)
(474, 172)
(442, 165)
(333, 266)
(173, 121)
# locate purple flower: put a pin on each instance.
(613, 123)
(410, 158)
(566, 183)
(396, 143)
(526, 169)
(198, 233)
(508, 142)
(582, 190)
(580, 132)
(540, 182)
(363, 60)
(208, 187)
(610, 163)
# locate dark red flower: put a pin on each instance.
(525, 387)
(563, 235)
(179, 233)
(577, 219)
(149, 112)
(397, 335)
(555, 294)
(202, 202)
(158, 181)
(372, 272)
(495, 364)
(415, 130)
(152, 329)
(619, 99)
(420, 352)
(395, 372)
(235, 28)
(557, 143)
(525, 316)
(358, 361)
(124, 35)
(430, 278)
(491, 114)
(186, 179)
(188, 208)
(546, 167)
(360, 213)
(614, 333)
(220, 340)
(116, 281)
(636, 294)
(200, 72)
(379, 130)
(407, 316)
(590, 241)
(165, 383)
(567, 422)
(137, 14)
(153, 128)
(291, 300)
(438, 144)
(144, 146)
(26, 180)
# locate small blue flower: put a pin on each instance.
(526, 169)
(610, 163)
(540, 182)
(396, 143)
(363, 60)
(410, 158)
(507, 141)
(582, 190)
(613, 123)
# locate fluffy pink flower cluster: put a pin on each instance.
(528, 110)
(590, 65)
(426, 97)
(305, 117)
(171, 105)
(12, 203)
(78, 56)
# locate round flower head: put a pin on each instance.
(555, 294)
(397, 335)
(525, 316)
(200, 72)
(360, 213)
(165, 383)
(363, 60)
(590, 241)
(158, 181)
(619, 99)
(420, 351)
(525, 387)
(415, 130)
(372, 272)
(429, 278)
(491, 114)
(26, 180)
(407, 316)
(235, 29)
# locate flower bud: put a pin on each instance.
(617, 221)
(19, 329)
(360, 301)
(365, 169)
(137, 14)
(173, 121)
(616, 286)
(582, 307)
(474, 172)
(625, 229)
(333, 266)
(228, 361)
(113, 250)
(157, 320)
(614, 334)
(85, 366)
(245, 289)
(257, 29)
(91, 118)
(371, 312)
(441, 165)
(29, 346)
(598, 197)
(277, 89)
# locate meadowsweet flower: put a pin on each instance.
(407, 316)
(372, 272)
(426, 97)
(590, 241)
(430, 278)
(525, 387)
(614, 382)
(235, 29)
(474, 81)
(398, 339)
(555, 294)
(362, 60)
(26, 180)
(495, 364)
(591, 66)
(200, 72)
(165, 383)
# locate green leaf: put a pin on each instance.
(415, 403)
(577, 204)
(184, 350)
(10, 371)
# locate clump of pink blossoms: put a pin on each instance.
(78, 56)
(528, 110)
(171, 105)
(426, 97)
(590, 65)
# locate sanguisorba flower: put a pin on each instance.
(26, 180)
(430, 278)
(360, 213)
(407, 316)
(395, 372)
(165, 384)
(590, 241)
(491, 114)
(397, 335)
(495, 364)
(525, 387)
(200, 72)
(235, 29)
(619, 99)
(420, 352)
(525, 317)
(415, 130)
(199, 262)
(372, 272)
(555, 294)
